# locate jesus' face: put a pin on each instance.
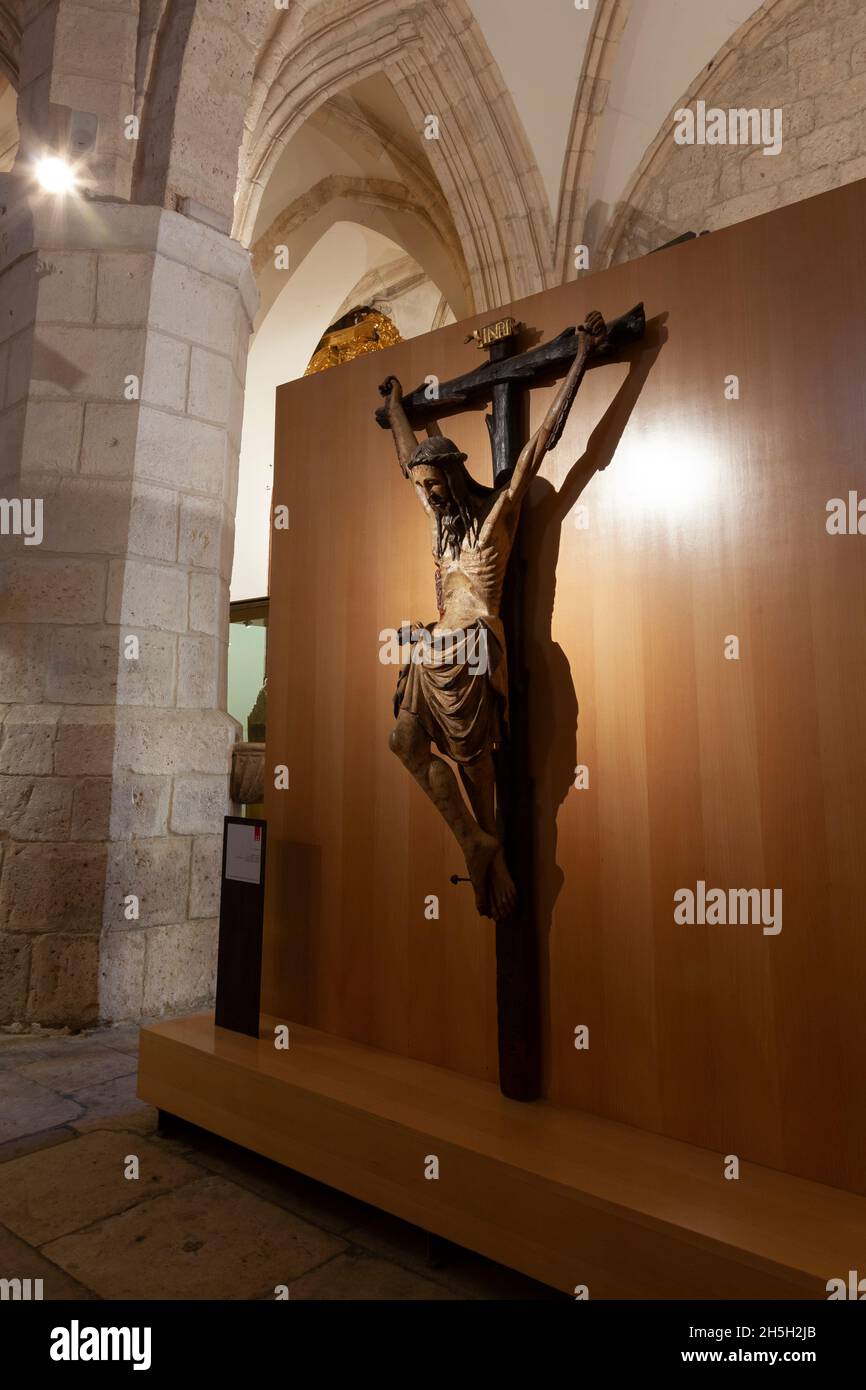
(436, 490)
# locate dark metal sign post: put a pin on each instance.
(242, 906)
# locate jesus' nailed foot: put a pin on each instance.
(720, 907)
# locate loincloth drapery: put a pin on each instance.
(456, 691)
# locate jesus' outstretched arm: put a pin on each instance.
(404, 436)
(592, 335)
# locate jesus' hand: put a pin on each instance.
(391, 390)
(594, 328)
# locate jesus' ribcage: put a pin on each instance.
(470, 586)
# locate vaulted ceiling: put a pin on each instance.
(10, 38)
(546, 112)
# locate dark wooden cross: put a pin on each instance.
(502, 381)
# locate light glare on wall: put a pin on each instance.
(55, 175)
(672, 472)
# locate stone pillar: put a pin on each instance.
(123, 342)
(78, 58)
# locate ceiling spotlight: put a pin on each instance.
(55, 175)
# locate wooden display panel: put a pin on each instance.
(706, 520)
(567, 1198)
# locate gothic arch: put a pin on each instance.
(372, 203)
(217, 78)
(634, 210)
(439, 64)
(10, 41)
(482, 159)
(197, 61)
(590, 101)
(417, 191)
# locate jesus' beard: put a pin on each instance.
(450, 531)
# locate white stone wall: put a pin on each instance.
(113, 772)
(806, 58)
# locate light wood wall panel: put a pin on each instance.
(706, 519)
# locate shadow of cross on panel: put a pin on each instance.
(553, 706)
(482, 565)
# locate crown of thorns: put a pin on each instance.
(435, 453)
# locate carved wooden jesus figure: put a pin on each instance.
(453, 693)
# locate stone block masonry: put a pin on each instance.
(123, 339)
(805, 58)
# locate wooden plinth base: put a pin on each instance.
(566, 1197)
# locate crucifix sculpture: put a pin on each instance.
(463, 690)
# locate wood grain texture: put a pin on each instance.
(567, 1198)
(706, 518)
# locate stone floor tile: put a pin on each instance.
(386, 1235)
(471, 1276)
(123, 1039)
(114, 1105)
(326, 1206)
(17, 1049)
(359, 1276)
(85, 1067)
(47, 1194)
(465, 1273)
(20, 1261)
(26, 1107)
(224, 1222)
(31, 1143)
(208, 1239)
(14, 1054)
